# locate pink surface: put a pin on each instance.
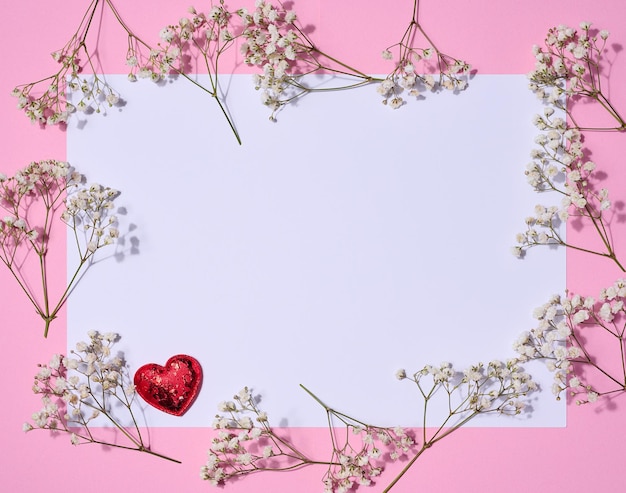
(495, 37)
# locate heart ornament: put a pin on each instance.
(171, 388)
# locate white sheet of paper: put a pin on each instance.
(333, 247)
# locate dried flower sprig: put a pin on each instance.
(45, 101)
(570, 65)
(415, 67)
(271, 39)
(274, 41)
(569, 331)
(32, 198)
(497, 388)
(93, 382)
(200, 36)
(247, 443)
(559, 164)
(352, 465)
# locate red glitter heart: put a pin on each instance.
(171, 388)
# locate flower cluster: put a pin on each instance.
(270, 38)
(89, 384)
(559, 164)
(46, 180)
(246, 443)
(88, 209)
(273, 41)
(32, 198)
(362, 462)
(45, 101)
(413, 72)
(497, 387)
(567, 330)
(206, 35)
(570, 65)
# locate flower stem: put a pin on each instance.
(406, 468)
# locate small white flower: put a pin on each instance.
(580, 316)
(167, 34)
(396, 102)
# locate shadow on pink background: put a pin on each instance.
(495, 37)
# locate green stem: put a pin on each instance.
(621, 350)
(317, 399)
(606, 104)
(51, 316)
(46, 301)
(589, 361)
(354, 72)
(21, 284)
(406, 468)
(47, 321)
(428, 38)
(93, 7)
(140, 448)
(612, 256)
(219, 103)
(156, 454)
(427, 444)
(604, 236)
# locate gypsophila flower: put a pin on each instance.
(497, 387)
(245, 442)
(269, 37)
(46, 100)
(274, 42)
(33, 198)
(570, 65)
(357, 458)
(560, 164)
(567, 335)
(77, 389)
(500, 387)
(415, 66)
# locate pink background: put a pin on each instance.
(495, 36)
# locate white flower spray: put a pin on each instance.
(45, 101)
(568, 71)
(92, 382)
(246, 442)
(581, 339)
(570, 65)
(571, 331)
(420, 69)
(269, 37)
(32, 199)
